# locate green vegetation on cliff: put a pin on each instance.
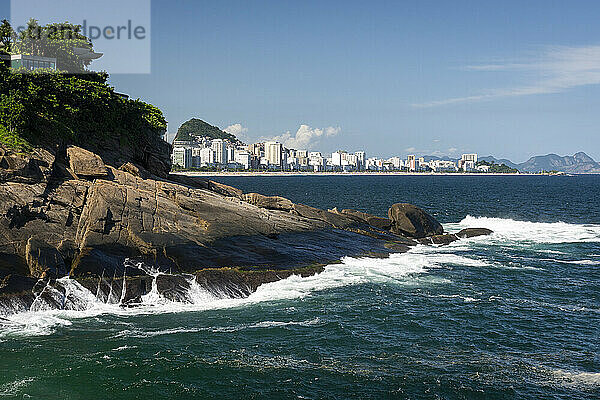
(46, 107)
(42, 107)
(196, 127)
(14, 141)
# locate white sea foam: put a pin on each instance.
(581, 262)
(577, 378)
(466, 299)
(13, 388)
(181, 330)
(531, 232)
(121, 348)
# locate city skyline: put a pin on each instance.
(206, 152)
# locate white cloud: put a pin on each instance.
(452, 150)
(555, 70)
(306, 136)
(236, 129)
(410, 149)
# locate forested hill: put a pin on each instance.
(196, 127)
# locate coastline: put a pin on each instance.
(279, 173)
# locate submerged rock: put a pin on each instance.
(439, 239)
(413, 222)
(472, 232)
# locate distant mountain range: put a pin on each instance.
(579, 163)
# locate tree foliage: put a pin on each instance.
(48, 107)
(503, 169)
(7, 36)
(498, 168)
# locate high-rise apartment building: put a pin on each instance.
(220, 149)
(274, 153)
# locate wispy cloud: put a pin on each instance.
(306, 136)
(556, 69)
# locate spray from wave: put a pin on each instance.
(532, 232)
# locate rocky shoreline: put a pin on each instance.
(122, 228)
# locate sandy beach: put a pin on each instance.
(278, 173)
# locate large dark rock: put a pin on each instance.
(472, 232)
(413, 222)
(16, 284)
(377, 222)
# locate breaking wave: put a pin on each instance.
(532, 232)
(75, 302)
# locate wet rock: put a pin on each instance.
(472, 232)
(237, 283)
(174, 287)
(439, 239)
(16, 284)
(86, 164)
(397, 247)
(44, 260)
(413, 222)
(95, 261)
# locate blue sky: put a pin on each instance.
(508, 78)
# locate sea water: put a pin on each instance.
(511, 315)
